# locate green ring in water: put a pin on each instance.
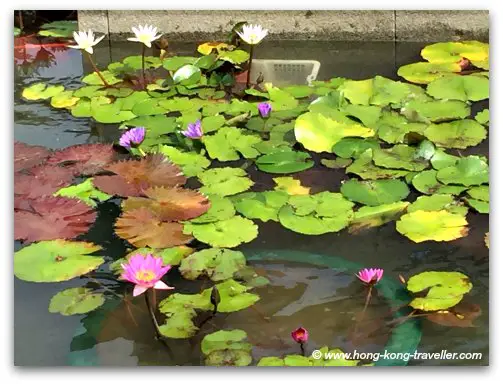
(404, 339)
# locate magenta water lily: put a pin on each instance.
(264, 109)
(133, 137)
(370, 275)
(300, 335)
(145, 272)
(194, 130)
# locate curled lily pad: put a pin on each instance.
(41, 91)
(464, 88)
(228, 142)
(353, 147)
(424, 73)
(368, 217)
(440, 225)
(319, 133)
(187, 75)
(56, 260)
(435, 111)
(227, 233)
(226, 348)
(76, 301)
(290, 185)
(260, 205)
(224, 181)
(437, 202)
(456, 134)
(393, 127)
(470, 170)
(444, 289)
(399, 156)
(191, 163)
(427, 182)
(284, 160)
(85, 191)
(221, 209)
(375, 192)
(216, 263)
(440, 159)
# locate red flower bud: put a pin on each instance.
(300, 335)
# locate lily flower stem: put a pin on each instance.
(142, 152)
(143, 66)
(105, 83)
(367, 301)
(302, 350)
(152, 315)
(249, 67)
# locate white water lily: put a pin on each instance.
(252, 34)
(145, 34)
(85, 41)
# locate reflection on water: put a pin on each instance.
(321, 300)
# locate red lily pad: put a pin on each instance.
(143, 228)
(51, 218)
(133, 177)
(42, 180)
(27, 156)
(170, 204)
(86, 159)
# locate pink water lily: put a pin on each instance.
(146, 272)
(370, 275)
(300, 335)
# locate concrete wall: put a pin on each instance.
(304, 25)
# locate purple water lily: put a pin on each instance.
(264, 109)
(194, 131)
(132, 138)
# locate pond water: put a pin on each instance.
(320, 299)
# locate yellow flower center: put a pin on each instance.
(145, 275)
(145, 38)
(253, 38)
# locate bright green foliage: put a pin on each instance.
(224, 181)
(260, 205)
(228, 142)
(216, 263)
(375, 192)
(456, 134)
(85, 191)
(76, 301)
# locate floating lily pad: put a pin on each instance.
(221, 209)
(41, 91)
(64, 99)
(303, 361)
(299, 91)
(284, 161)
(435, 111)
(76, 301)
(367, 114)
(479, 193)
(427, 182)
(319, 133)
(27, 156)
(353, 147)
(187, 75)
(227, 233)
(84, 159)
(438, 202)
(224, 181)
(440, 225)
(337, 163)
(60, 28)
(234, 296)
(456, 134)
(260, 205)
(377, 91)
(290, 185)
(281, 100)
(110, 113)
(176, 62)
(479, 205)
(191, 163)
(375, 192)
(368, 217)
(456, 51)
(85, 191)
(424, 73)
(366, 169)
(464, 88)
(207, 48)
(399, 156)
(216, 263)
(440, 159)
(228, 142)
(169, 256)
(470, 170)
(445, 289)
(56, 260)
(94, 79)
(226, 348)
(237, 56)
(393, 127)
(483, 117)
(156, 125)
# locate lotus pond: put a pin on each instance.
(171, 210)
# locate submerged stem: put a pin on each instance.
(143, 66)
(152, 315)
(105, 83)
(249, 67)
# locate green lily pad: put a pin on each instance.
(85, 191)
(90, 91)
(221, 208)
(284, 160)
(236, 358)
(155, 125)
(479, 193)
(368, 217)
(455, 51)
(337, 163)
(464, 88)
(64, 99)
(456, 134)
(281, 100)
(60, 28)
(225, 340)
(375, 192)
(216, 263)
(353, 147)
(228, 142)
(367, 114)
(425, 150)
(377, 91)
(191, 163)
(227, 233)
(110, 113)
(212, 123)
(479, 205)
(55, 260)
(445, 289)
(176, 62)
(427, 182)
(319, 133)
(393, 127)
(299, 91)
(437, 202)
(169, 256)
(237, 56)
(134, 63)
(435, 111)
(303, 361)
(260, 205)
(187, 75)
(290, 185)
(41, 91)
(440, 159)
(364, 167)
(76, 301)
(94, 79)
(399, 156)
(424, 73)
(234, 296)
(470, 170)
(483, 117)
(224, 181)
(440, 225)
